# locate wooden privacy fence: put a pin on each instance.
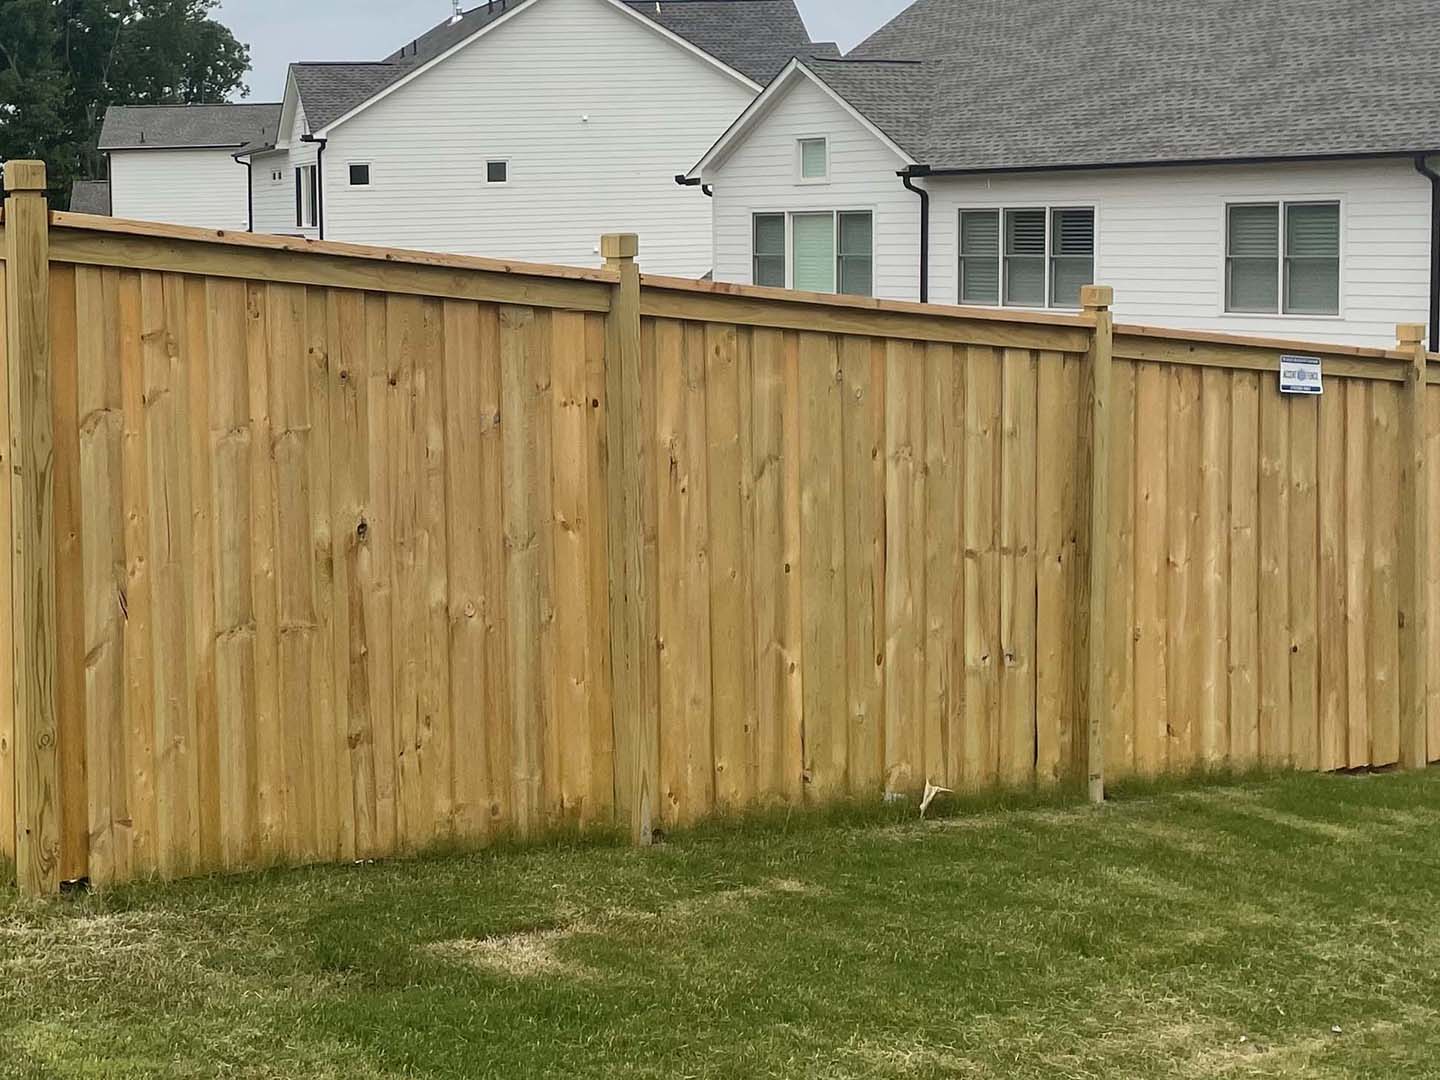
(324, 552)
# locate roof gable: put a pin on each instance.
(751, 39)
(1087, 83)
(893, 76)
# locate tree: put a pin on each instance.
(64, 62)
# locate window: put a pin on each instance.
(497, 172)
(857, 261)
(1294, 270)
(307, 197)
(814, 159)
(813, 241)
(276, 175)
(979, 257)
(359, 174)
(829, 252)
(1026, 257)
(769, 267)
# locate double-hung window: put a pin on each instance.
(307, 197)
(1026, 257)
(827, 251)
(1282, 258)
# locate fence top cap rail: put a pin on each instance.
(91, 223)
(1210, 337)
(863, 303)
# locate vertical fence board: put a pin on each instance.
(1384, 522)
(1275, 635)
(1357, 573)
(822, 568)
(730, 585)
(1152, 713)
(981, 515)
(942, 464)
(862, 362)
(1120, 639)
(1184, 612)
(137, 601)
(1244, 569)
(1214, 558)
(904, 568)
(7, 625)
(1304, 568)
(1016, 716)
(1331, 750)
(230, 437)
(68, 556)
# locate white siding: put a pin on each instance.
(762, 175)
(1159, 232)
(523, 93)
(1160, 240)
(203, 188)
(274, 199)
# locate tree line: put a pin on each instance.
(63, 62)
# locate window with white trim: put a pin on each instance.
(1289, 270)
(307, 197)
(1027, 256)
(769, 250)
(359, 173)
(497, 172)
(826, 251)
(814, 160)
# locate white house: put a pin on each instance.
(1265, 166)
(176, 163)
(525, 129)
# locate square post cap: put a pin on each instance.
(1093, 297)
(25, 176)
(619, 245)
(1410, 334)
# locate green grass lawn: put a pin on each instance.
(1288, 927)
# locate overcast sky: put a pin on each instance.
(279, 31)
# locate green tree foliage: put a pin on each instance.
(63, 62)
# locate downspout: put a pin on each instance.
(320, 145)
(1423, 168)
(249, 195)
(907, 177)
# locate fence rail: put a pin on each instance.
(324, 552)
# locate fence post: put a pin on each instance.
(1096, 300)
(637, 752)
(32, 509)
(1414, 555)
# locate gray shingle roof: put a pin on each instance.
(153, 127)
(1054, 83)
(90, 197)
(755, 37)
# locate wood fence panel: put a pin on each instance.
(335, 565)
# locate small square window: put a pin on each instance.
(277, 175)
(497, 172)
(359, 175)
(814, 159)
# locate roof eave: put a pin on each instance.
(921, 170)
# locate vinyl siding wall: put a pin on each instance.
(1160, 233)
(275, 199)
(203, 188)
(521, 93)
(1160, 240)
(763, 175)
